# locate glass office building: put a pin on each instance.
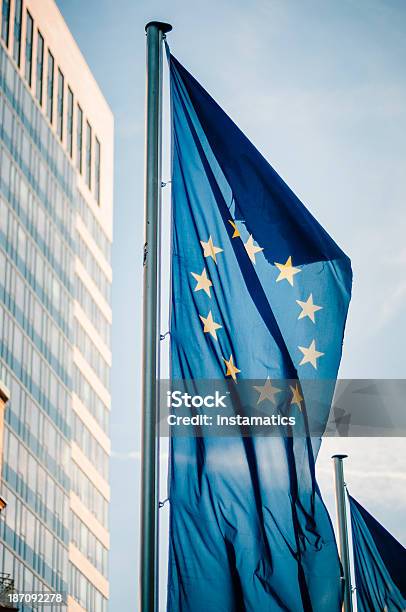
(56, 142)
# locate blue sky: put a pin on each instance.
(319, 86)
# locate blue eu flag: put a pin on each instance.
(380, 563)
(259, 291)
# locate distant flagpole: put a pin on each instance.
(343, 529)
(149, 479)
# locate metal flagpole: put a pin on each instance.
(149, 479)
(343, 529)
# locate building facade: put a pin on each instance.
(56, 190)
(4, 397)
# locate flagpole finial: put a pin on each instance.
(161, 25)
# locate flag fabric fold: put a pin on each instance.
(379, 562)
(259, 291)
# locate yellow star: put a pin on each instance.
(308, 308)
(310, 354)
(268, 391)
(209, 325)
(287, 271)
(209, 250)
(202, 282)
(252, 249)
(296, 396)
(232, 370)
(236, 233)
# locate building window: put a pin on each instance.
(28, 48)
(88, 155)
(18, 9)
(50, 86)
(59, 124)
(79, 139)
(5, 21)
(97, 171)
(70, 122)
(40, 67)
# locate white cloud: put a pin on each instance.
(134, 455)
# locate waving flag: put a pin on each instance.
(259, 291)
(380, 564)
